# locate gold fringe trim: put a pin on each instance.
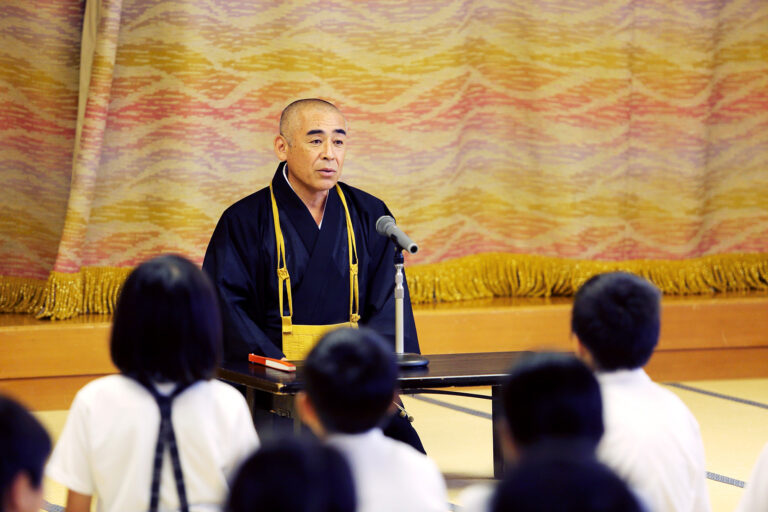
(519, 275)
(480, 276)
(20, 295)
(92, 290)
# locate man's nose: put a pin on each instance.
(328, 150)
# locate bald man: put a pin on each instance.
(302, 256)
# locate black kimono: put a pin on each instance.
(242, 262)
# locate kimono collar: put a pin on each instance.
(297, 213)
(285, 175)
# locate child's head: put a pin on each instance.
(293, 475)
(551, 397)
(351, 376)
(616, 317)
(563, 484)
(167, 325)
(24, 447)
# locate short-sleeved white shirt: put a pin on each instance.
(652, 441)
(755, 497)
(107, 446)
(391, 475)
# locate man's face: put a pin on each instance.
(314, 150)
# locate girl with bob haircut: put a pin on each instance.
(161, 434)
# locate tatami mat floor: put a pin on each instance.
(456, 431)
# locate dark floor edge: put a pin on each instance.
(717, 395)
(453, 407)
(725, 479)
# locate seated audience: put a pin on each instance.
(293, 475)
(351, 376)
(161, 434)
(552, 421)
(24, 446)
(651, 438)
(755, 497)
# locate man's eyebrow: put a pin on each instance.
(322, 132)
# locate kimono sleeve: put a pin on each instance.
(228, 262)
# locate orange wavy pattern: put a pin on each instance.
(39, 61)
(587, 129)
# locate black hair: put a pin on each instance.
(167, 325)
(293, 475)
(24, 446)
(563, 485)
(351, 375)
(616, 318)
(549, 396)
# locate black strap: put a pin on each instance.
(166, 436)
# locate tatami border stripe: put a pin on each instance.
(725, 479)
(459, 408)
(50, 507)
(710, 475)
(717, 395)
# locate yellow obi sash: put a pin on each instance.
(298, 340)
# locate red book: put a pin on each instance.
(277, 364)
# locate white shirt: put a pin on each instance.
(107, 446)
(391, 475)
(477, 497)
(755, 497)
(652, 441)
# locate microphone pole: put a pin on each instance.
(385, 226)
(399, 296)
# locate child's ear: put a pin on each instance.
(581, 352)
(308, 415)
(508, 446)
(23, 495)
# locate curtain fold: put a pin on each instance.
(38, 115)
(65, 293)
(524, 145)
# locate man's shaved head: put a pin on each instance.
(312, 143)
(291, 114)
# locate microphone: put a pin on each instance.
(386, 226)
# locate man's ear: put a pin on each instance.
(281, 148)
(308, 415)
(22, 495)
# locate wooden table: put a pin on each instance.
(273, 391)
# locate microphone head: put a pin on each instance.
(383, 224)
(386, 226)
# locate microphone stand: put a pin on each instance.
(407, 360)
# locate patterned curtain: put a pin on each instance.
(524, 145)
